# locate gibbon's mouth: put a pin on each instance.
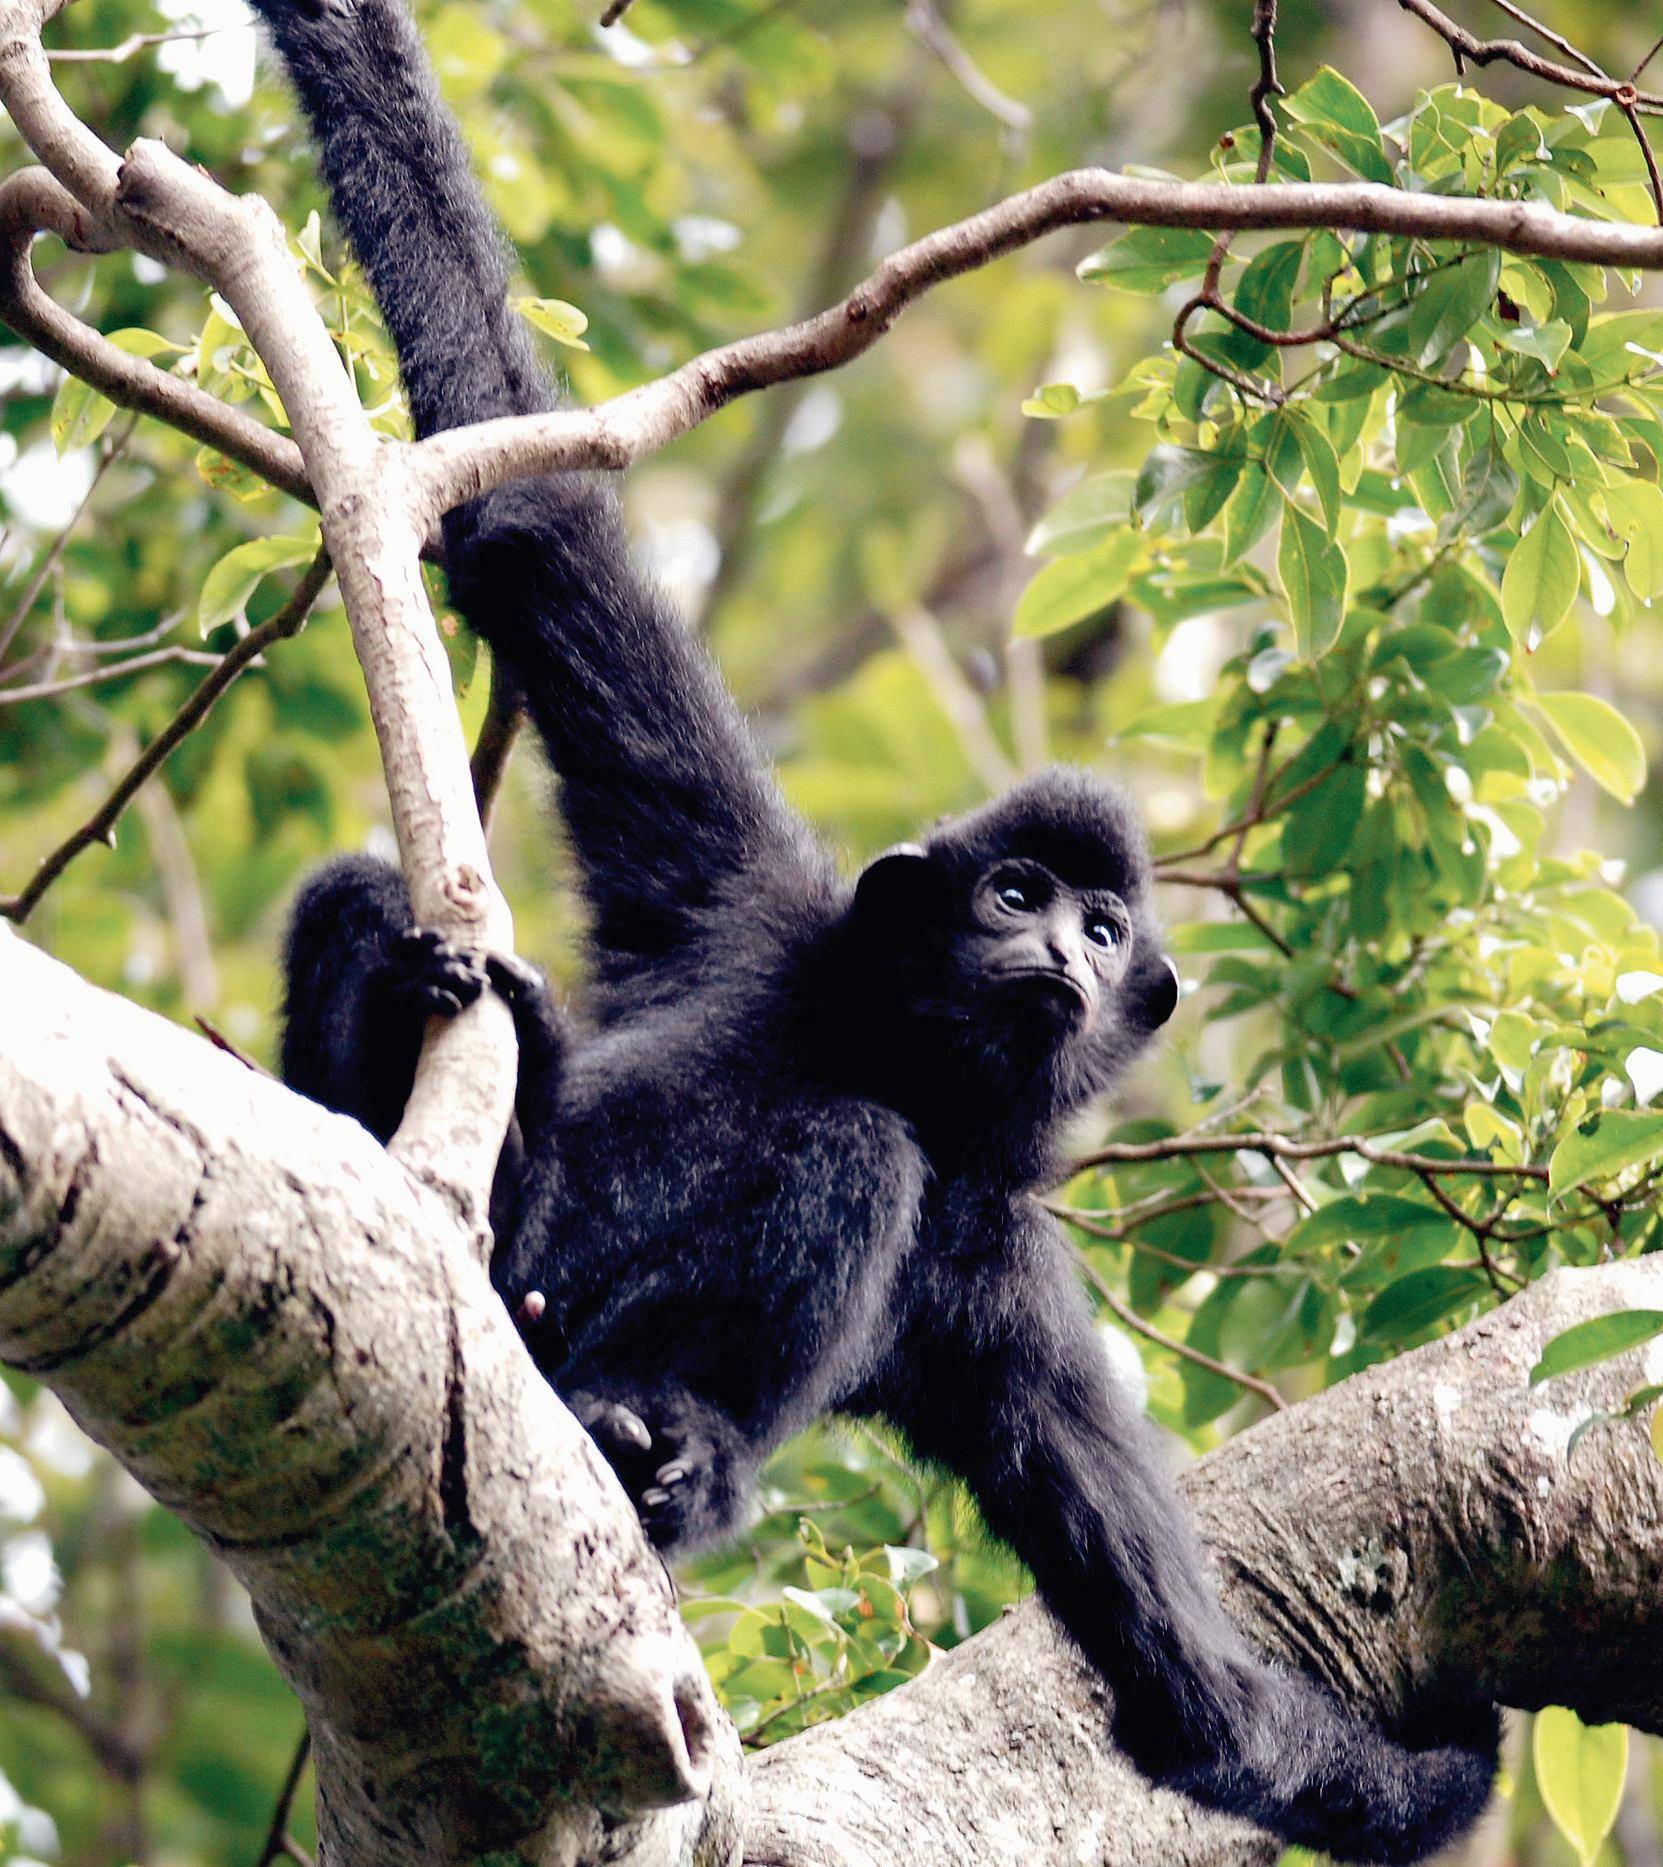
(1063, 985)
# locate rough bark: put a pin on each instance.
(1421, 1525)
(282, 1333)
(285, 1331)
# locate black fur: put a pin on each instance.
(791, 1168)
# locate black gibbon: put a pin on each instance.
(791, 1167)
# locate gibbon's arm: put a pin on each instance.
(1015, 1395)
(666, 798)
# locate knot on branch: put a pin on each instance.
(466, 890)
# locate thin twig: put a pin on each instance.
(107, 459)
(1476, 51)
(135, 43)
(504, 716)
(100, 826)
(220, 1041)
(1126, 1315)
(1267, 803)
(278, 1842)
(1281, 1146)
(925, 23)
(1267, 86)
(461, 463)
(1517, 14)
(111, 671)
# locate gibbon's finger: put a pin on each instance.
(655, 1498)
(512, 978)
(674, 1473)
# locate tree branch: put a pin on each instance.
(1420, 1527)
(31, 203)
(283, 1335)
(463, 462)
(375, 521)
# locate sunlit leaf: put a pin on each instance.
(1585, 1343)
(1601, 741)
(1580, 1770)
(1613, 1142)
(1540, 581)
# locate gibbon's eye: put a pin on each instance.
(1015, 896)
(1103, 932)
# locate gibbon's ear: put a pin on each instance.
(901, 881)
(1160, 999)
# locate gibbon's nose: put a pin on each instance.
(1065, 946)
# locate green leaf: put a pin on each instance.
(1170, 476)
(461, 646)
(1336, 114)
(1322, 464)
(139, 342)
(1635, 509)
(1450, 303)
(1488, 489)
(554, 318)
(907, 1564)
(1414, 1303)
(1601, 741)
(1580, 1770)
(1547, 343)
(1313, 572)
(1053, 400)
(1585, 1343)
(234, 579)
(79, 414)
(1083, 515)
(1077, 586)
(1249, 513)
(1540, 581)
(1612, 1143)
(1149, 259)
(226, 475)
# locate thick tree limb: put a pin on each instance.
(291, 1340)
(280, 1332)
(1420, 1527)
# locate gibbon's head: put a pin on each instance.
(1022, 933)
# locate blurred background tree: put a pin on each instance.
(1367, 630)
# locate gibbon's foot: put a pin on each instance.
(436, 974)
(681, 1460)
(697, 1472)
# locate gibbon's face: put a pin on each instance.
(1055, 950)
(1023, 933)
